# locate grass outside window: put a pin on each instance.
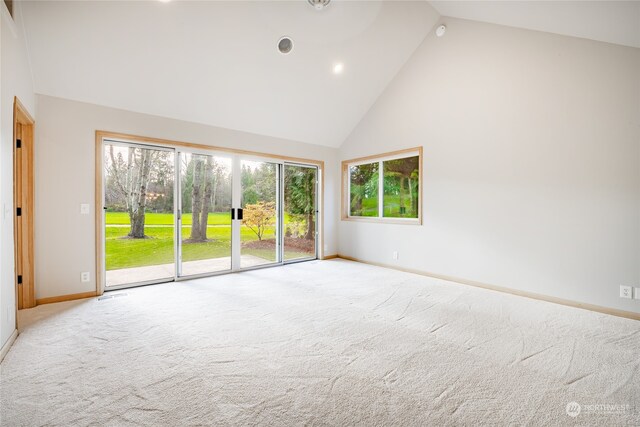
(383, 188)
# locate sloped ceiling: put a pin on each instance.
(216, 62)
(615, 22)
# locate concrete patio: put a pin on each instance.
(125, 276)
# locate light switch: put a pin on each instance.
(84, 208)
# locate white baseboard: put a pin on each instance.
(5, 348)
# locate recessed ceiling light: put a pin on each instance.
(338, 68)
(285, 45)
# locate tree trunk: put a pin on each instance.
(196, 199)
(215, 202)
(414, 199)
(139, 194)
(401, 201)
(206, 202)
(311, 227)
(137, 224)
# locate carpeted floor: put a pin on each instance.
(319, 343)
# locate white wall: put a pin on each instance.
(531, 160)
(65, 178)
(15, 76)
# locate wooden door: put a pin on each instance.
(23, 197)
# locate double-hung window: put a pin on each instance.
(383, 188)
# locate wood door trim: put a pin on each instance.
(23, 124)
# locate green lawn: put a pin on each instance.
(215, 218)
(158, 248)
(391, 208)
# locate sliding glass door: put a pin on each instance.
(259, 228)
(204, 214)
(172, 213)
(139, 231)
(300, 212)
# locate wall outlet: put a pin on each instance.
(636, 293)
(84, 208)
(625, 291)
(395, 254)
(85, 277)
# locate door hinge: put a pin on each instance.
(20, 279)
(18, 143)
(18, 211)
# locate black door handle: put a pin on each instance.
(239, 213)
(233, 214)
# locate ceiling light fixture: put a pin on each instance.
(338, 68)
(319, 4)
(441, 30)
(285, 45)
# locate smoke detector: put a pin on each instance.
(319, 4)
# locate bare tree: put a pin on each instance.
(201, 195)
(132, 180)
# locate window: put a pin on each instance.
(363, 189)
(383, 188)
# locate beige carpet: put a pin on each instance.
(319, 343)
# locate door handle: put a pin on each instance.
(233, 214)
(239, 213)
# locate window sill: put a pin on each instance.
(403, 221)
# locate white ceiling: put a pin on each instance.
(607, 21)
(217, 63)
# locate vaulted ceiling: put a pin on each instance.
(608, 21)
(216, 62)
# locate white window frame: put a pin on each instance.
(380, 159)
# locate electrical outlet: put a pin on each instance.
(84, 208)
(84, 277)
(636, 293)
(625, 291)
(395, 254)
